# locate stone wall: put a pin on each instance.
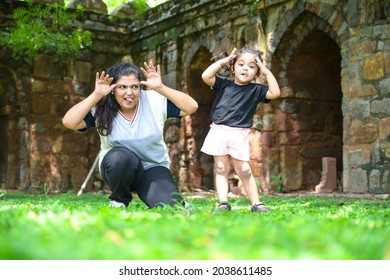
(331, 59)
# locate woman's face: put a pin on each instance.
(245, 69)
(127, 92)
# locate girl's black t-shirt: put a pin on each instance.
(235, 105)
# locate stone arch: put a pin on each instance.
(307, 63)
(305, 25)
(197, 171)
(331, 17)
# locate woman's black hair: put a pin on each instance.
(107, 107)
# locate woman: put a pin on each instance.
(130, 122)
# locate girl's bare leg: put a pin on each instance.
(244, 172)
(222, 169)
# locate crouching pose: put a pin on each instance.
(130, 123)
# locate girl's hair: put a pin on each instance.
(107, 107)
(246, 50)
(221, 55)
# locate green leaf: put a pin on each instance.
(44, 29)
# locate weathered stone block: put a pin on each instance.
(375, 181)
(75, 143)
(291, 167)
(268, 122)
(358, 157)
(384, 87)
(384, 129)
(40, 103)
(369, 90)
(43, 66)
(355, 181)
(381, 106)
(289, 106)
(38, 86)
(359, 133)
(373, 66)
(358, 108)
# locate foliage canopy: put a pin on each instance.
(47, 29)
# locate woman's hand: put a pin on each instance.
(103, 84)
(74, 117)
(153, 76)
(183, 101)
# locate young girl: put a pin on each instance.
(232, 117)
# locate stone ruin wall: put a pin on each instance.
(331, 59)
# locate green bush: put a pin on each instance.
(46, 29)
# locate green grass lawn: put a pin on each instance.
(70, 227)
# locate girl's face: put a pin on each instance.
(245, 69)
(127, 92)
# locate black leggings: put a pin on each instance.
(123, 172)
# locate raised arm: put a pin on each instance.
(74, 118)
(273, 87)
(208, 76)
(183, 101)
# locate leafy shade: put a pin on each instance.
(46, 29)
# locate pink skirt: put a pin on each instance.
(225, 140)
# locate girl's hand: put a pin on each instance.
(261, 66)
(103, 84)
(153, 75)
(225, 61)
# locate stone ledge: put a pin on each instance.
(333, 195)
